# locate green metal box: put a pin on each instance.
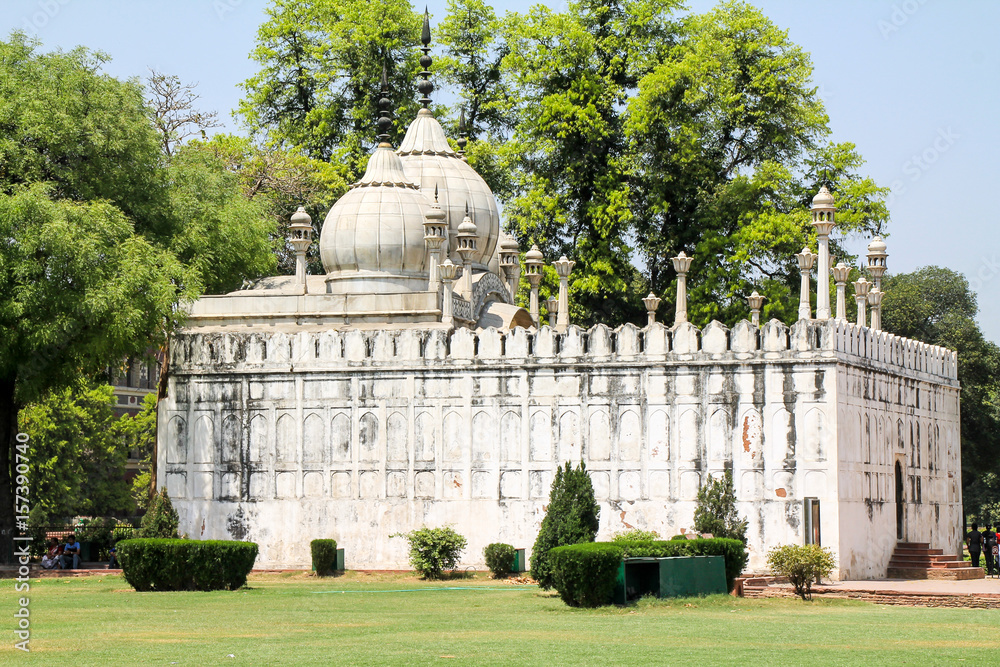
(340, 560)
(519, 564)
(670, 577)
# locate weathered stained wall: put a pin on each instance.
(285, 437)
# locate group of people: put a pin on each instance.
(62, 556)
(983, 543)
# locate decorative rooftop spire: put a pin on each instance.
(463, 134)
(385, 121)
(425, 86)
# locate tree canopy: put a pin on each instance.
(105, 237)
(618, 133)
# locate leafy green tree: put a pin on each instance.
(321, 63)
(139, 432)
(572, 517)
(76, 453)
(716, 512)
(160, 519)
(935, 305)
(102, 242)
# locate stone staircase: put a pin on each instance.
(916, 560)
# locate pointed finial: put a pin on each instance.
(425, 86)
(385, 121)
(435, 193)
(462, 134)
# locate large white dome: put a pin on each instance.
(430, 161)
(373, 237)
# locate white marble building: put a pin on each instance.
(399, 390)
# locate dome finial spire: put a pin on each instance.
(463, 134)
(425, 86)
(385, 121)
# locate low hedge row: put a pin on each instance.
(584, 574)
(181, 565)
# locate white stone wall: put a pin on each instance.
(285, 437)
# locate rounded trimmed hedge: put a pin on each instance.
(584, 574)
(154, 564)
(324, 556)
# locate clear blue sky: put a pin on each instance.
(914, 83)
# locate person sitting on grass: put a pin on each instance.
(51, 558)
(71, 553)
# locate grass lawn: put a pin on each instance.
(359, 619)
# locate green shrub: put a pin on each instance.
(324, 556)
(733, 551)
(571, 518)
(434, 550)
(584, 574)
(500, 559)
(181, 565)
(716, 510)
(160, 520)
(635, 535)
(122, 531)
(677, 538)
(802, 565)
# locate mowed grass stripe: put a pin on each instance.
(281, 620)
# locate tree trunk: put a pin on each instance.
(8, 433)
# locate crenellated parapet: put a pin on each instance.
(833, 340)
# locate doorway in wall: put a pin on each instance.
(900, 507)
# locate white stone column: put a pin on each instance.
(533, 262)
(510, 266)
(563, 268)
(300, 237)
(552, 306)
(875, 301)
(652, 302)
(682, 264)
(448, 270)
(756, 301)
(841, 273)
(435, 234)
(466, 248)
(823, 214)
(861, 288)
(805, 259)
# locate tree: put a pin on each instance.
(102, 243)
(572, 517)
(161, 519)
(638, 134)
(935, 305)
(716, 512)
(76, 453)
(321, 63)
(174, 114)
(139, 433)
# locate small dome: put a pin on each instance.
(467, 226)
(508, 243)
(300, 217)
(534, 255)
(823, 199)
(429, 160)
(877, 246)
(373, 237)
